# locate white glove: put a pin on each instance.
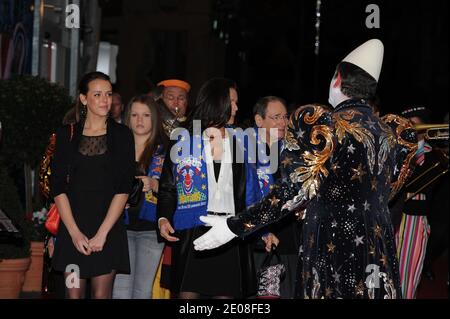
(218, 235)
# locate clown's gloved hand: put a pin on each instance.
(218, 235)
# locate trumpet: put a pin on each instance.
(436, 132)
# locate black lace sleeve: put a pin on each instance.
(305, 163)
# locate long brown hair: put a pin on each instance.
(157, 136)
(83, 88)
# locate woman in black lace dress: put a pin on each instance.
(92, 174)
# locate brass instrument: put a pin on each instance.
(444, 172)
(438, 169)
(435, 132)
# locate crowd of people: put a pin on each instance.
(160, 180)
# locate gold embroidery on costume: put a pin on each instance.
(403, 125)
(312, 119)
(343, 124)
(313, 167)
(314, 170)
(387, 143)
(291, 142)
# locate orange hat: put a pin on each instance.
(177, 83)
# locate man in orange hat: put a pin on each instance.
(173, 102)
(175, 96)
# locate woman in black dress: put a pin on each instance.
(92, 175)
(207, 179)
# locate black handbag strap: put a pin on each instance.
(270, 255)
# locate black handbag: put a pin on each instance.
(136, 192)
(270, 276)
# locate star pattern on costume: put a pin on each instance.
(300, 134)
(274, 201)
(371, 124)
(378, 231)
(336, 277)
(358, 173)
(381, 199)
(374, 184)
(359, 240)
(335, 167)
(331, 247)
(287, 161)
(349, 173)
(351, 149)
(203, 175)
(351, 208)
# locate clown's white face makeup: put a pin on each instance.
(335, 95)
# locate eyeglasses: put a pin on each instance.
(279, 117)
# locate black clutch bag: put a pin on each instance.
(136, 192)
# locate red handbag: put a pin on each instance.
(53, 217)
(53, 220)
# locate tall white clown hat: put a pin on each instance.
(369, 57)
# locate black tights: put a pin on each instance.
(101, 287)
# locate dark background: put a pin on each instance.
(267, 47)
